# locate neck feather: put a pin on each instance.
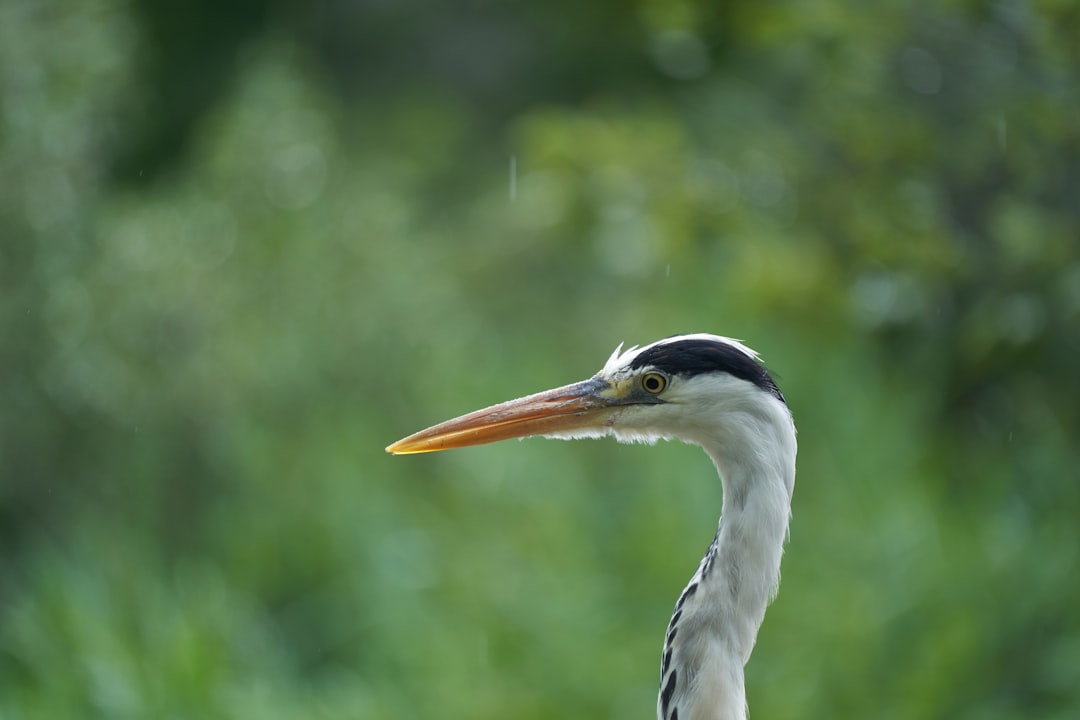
(715, 624)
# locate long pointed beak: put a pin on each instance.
(564, 409)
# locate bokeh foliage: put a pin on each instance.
(245, 248)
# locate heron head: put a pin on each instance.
(684, 387)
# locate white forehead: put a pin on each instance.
(621, 359)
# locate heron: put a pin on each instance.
(705, 390)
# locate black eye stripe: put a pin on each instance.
(696, 356)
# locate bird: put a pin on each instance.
(706, 390)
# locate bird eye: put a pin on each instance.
(653, 382)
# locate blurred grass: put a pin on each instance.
(200, 366)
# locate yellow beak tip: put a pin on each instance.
(402, 447)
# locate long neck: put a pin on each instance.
(716, 620)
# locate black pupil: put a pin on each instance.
(652, 383)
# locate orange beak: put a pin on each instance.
(565, 409)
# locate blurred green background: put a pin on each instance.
(245, 246)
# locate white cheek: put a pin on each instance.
(580, 434)
(635, 436)
(641, 424)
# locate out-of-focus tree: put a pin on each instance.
(245, 247)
